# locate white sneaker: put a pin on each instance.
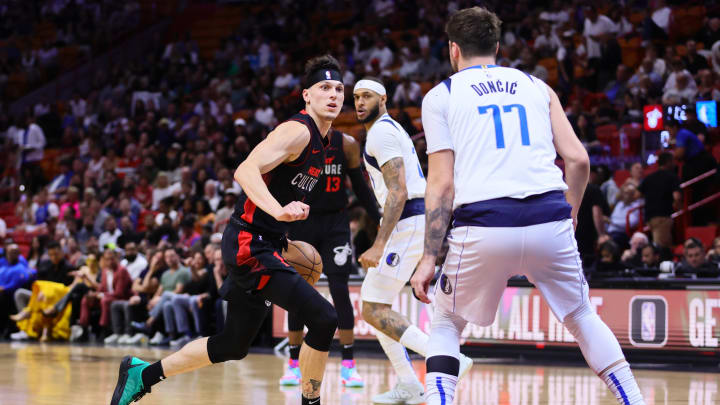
(465, 364)
(180, 342)
(19, 335)
(76, 332)
(138, 338)
(159, 337)
(402, 393)
(112, 339)
(123, 339)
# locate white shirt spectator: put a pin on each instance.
(28, 59)
(282, 82)
(32, 142)
(623, 27)
(671, 81)
(107, 237)
(619, 216)
(52, 208)
(3, 228)
(136, 267)
(411, 95)
(47, 55)
(601, 26)
(78, 107)
(200, 111)
(384, 8)
(265, 116)
(661, 17)
(41, 109)
(161, 216)
(160, 194)
(550, 41)
(556, 18)
(384, 55)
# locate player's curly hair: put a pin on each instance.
(476, 30)
(323, 62)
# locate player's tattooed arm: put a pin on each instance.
(439, 196)
(436, 222)
(394, 176)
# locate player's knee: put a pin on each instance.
(322, 322)
(572, 320)
(222, 348)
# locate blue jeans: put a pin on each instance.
(181, 305)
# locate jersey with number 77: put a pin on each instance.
(497, 122)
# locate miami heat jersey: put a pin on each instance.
(333, 187)
(386, 140)
(293, 181)
(496, 120)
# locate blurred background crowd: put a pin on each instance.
(113, 197)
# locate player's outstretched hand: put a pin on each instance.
(295, 211)
(371, 257)
(420, 280)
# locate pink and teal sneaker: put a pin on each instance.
(292, 374)
(349, 376)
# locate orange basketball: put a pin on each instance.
(305, 259)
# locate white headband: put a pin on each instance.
(370, 85)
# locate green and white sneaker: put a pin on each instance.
(130, 387)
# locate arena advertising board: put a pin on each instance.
(641, 319)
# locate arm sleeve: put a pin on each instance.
(434, 119)
(363, 193)
(382, 142)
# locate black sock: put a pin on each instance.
(314, 401)
(347, 352)
(152, 374)
(294, 352)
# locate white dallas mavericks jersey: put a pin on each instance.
(497, 122)
(386, 140)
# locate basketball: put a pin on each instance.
(305, 259)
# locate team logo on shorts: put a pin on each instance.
(392, 259)
(445, 284)
(341, 254)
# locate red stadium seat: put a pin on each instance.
(706, 234)
(620, 177)
(608, 135)
(633, 134)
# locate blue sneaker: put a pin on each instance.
(292, 376)
(349, 376)
(130, 387)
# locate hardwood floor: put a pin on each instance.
(67, 374)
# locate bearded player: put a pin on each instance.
(493, 134)
(277, 179)
(399, 187)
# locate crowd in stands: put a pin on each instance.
(118, 197)
(38, 39)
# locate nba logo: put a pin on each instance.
(648, 321)
(327, 75)
(647, 317)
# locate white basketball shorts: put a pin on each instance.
(402, 253)
(481, 260)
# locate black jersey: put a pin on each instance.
(333, 188)
(293, 181)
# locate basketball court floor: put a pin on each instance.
(33, 373)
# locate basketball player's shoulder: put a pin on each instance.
(292, 131)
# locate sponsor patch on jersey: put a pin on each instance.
(392, 259)
(445, 284)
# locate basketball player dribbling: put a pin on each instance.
(277, 179)
(492, 137)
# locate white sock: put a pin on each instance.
(440, 388)
(415, 339)
(398, 357)
(622, 383)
